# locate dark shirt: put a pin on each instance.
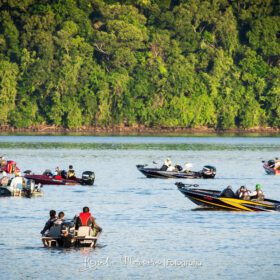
(228, 193)
(48, 225)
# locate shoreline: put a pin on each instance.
(137, 131)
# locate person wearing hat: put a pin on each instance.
(257, 193)
(71, 172)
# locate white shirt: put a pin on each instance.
(16, 182)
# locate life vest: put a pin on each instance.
(85, 219)
(71, 173)
(260, 195)
(11, 167)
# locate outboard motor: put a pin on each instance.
(88, 178)
(208, 171)
(30, 187)
(68, 233)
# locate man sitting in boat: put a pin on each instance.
(57, 173)
(85, 219)
(60, 219)
(243, 193)
(167, 166)
(71, 172)
(50, 222)
(188, 167)
(228, 192)
(258, 193)
(4, 181)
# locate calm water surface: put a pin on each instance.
(150, 230)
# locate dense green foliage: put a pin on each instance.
(166, 63)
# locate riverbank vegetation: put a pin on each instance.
(171, 63)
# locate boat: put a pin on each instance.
(214, 199)
(29, 190)
(207, 172)
(272, 167)
(65, 235)
(47, 178)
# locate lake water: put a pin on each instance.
(150, 230)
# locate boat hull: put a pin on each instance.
(49, 180)
(157, 173)
(5, 192)
(43, 179)
(212, 199)
(50, 242)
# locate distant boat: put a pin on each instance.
(207, 172)
(47, 178)
(272, 167)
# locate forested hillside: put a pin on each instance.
(191, 63)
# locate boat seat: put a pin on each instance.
(55, 231)
(49, 242)
(84, 231)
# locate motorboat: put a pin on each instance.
(272, 167)
(207, 172)
(65, 235)
(215, 199)
(47, 178)
(30, 189)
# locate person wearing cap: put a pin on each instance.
(71, 172)
(4, 181)
(86, 219)
(257, 193)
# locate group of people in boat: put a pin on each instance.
(62, 174)
(84, 219)
(18, 183)
(244, 193)
(168, 166)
